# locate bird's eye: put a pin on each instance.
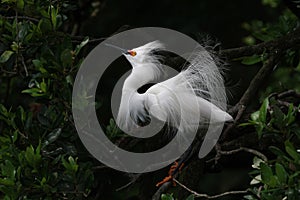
(132, 53)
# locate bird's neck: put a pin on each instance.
(139, 77)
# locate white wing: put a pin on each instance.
(175, 102)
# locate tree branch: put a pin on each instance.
(208, 196)
(291, 40)
(252, 151)
(256, 82)
(288, 93)
(21, 17)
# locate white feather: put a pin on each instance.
(196, 91)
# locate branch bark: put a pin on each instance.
(256, 82)
(291, 40)
(196, 194)
(234, 151)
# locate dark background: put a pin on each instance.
(220, 19)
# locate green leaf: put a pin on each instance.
(71, 166)
(8, 170)
(167, 197)
(45, 25)
(15, 136)
(290, 118)
(293, 176)
(3, 110)
(6, 182)
(271, 3)
(191, 197)
(266, 173)
(256, 180)
(251, 60)
(273, 182)
(296, 131)
(52, 137)
(35, 92)
(290, 149)
(250, 197)
(14, 46)
(8, 1)
(278, 117)
(259, 128)
(82, 44)
(256, 162)
(259, 117)
(33, 157)
(43, 86)
(263, 36)
(255, 116)
(263, 111)
(43, 181)
(66, 57)
(44, 120)
(5, 56)
(23, 31)
(276, 151)
(52, 12)
(20, 4)
(281, 173)
(69, 79)
(39, 65)
(22, 114)
(247, 124)
(29, 155)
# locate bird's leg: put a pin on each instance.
(171, 173)
(177, 166)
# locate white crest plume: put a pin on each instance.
(196, 95)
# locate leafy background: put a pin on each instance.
(42, 45)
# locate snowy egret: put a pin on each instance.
(197, 86)
(194, 96)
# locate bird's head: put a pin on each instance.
(141, 55)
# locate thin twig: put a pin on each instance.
(78, 39)
(288, 93)
(220, 153)
(22, 17)
(50, 16)
(130, 183)
(284, 103)
(24, 65)
(252, 151)
(8, 72)
(100, 167)
(17, 39)
(196, 194)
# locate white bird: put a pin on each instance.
(194, 96)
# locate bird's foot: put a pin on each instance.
(173, 168)
(165, 180)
